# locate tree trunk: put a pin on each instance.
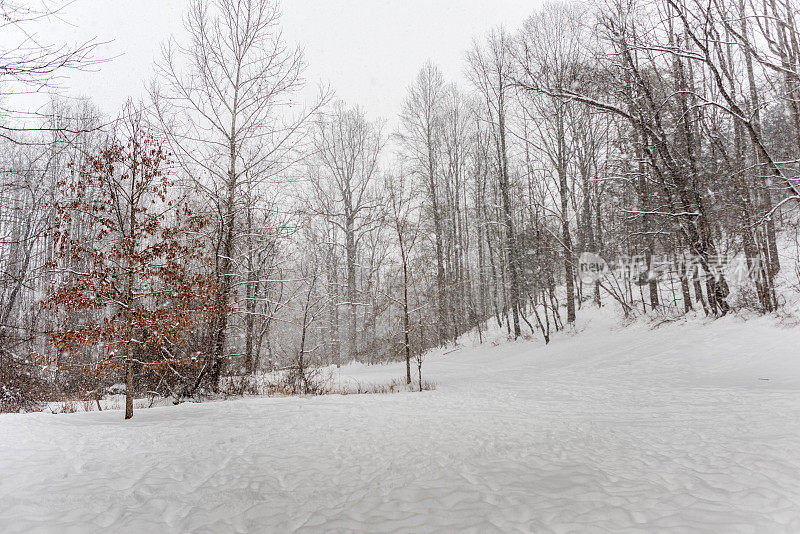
(129, 381)
(437, 230)
(566, 238)
(352, 304)
(406, 318)
(508, 220)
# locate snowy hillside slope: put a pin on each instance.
(693, 426)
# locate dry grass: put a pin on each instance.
(315, 384)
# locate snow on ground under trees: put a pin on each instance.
(690, 426)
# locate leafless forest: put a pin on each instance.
(230, 226)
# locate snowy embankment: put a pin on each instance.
(688, 427)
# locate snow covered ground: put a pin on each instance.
(687, 427)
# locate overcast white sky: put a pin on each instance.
(368, 50)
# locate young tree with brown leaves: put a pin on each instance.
(136, 279)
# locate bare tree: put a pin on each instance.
(402, 211)
(225, 102)
(552, 53)
(344, 185)
(32, 65)
(490, 72)
(420, 137)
